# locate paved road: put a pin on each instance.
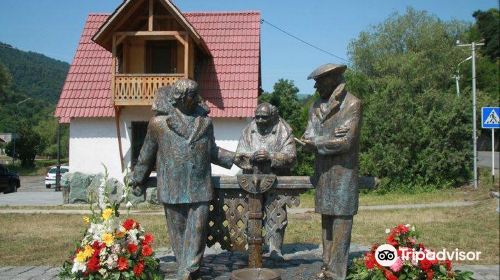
(32, 192)
(301, 262)
(33, 184)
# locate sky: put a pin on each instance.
(53, 27)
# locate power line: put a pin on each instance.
(305, 42)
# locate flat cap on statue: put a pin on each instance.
(327, 69)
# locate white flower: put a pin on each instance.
(387, 230)
(115, 249)
(133, 235)
(129, 204)
(77, 266)
(407, 225)
(101, 193)
(111, 261)
(102, 271)
(102, 255)
(413, 228)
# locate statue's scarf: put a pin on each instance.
(328, 108)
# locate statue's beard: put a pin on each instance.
(264, 129)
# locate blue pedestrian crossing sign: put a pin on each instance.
(490, 117)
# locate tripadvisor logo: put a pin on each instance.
(387, 255)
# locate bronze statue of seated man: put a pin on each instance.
(267, 146)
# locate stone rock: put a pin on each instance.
(78, 187)
(137, 199)
(152, 196)
(114, 188)
(66, 179)
(366, 182)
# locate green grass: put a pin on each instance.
(465, 193)
(41, 239)
(473, 228)
(373, 198)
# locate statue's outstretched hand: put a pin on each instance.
(137, 188)
(306, 144)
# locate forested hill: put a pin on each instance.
(33, 74)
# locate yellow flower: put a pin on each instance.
(106, 214)
(80, 257)
(108, 238)
(86, 219)
(88, 251)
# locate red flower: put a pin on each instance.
(93, 264)
(447, 263)
(430, 274)
(402, 228)
(390, 240)
(389, 276)
(139, 268)
(370, 261)
(122, 263)
(98, 246)
(425, 264)
(129, 224)
(132, 248)
(147, 251)
(148, 239)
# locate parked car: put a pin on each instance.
(50, 179)
(9, 181)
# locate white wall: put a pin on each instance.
(94, 141)
(227, 133)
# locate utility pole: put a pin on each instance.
(15, 132)
(58, 172)
(474, 129)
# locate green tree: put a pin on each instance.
(47, 129)
(285, 97)
(415, 129)
(414, 52)
(28, 143)
(487, 23)
(5, 82)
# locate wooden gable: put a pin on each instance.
(147, 18)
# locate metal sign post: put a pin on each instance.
(490, 118)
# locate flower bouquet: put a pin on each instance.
(403, 258)
(110, 248)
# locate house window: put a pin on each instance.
(139, 130)
(161, 57)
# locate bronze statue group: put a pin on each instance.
(180, 143)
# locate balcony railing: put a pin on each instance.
(140, 89)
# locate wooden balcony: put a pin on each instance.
(139, 89)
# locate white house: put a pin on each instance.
(124, 57)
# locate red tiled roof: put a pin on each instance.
(229, 83)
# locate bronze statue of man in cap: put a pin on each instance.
(332, 133)
(180, 143)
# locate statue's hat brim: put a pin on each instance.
(325, 69)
